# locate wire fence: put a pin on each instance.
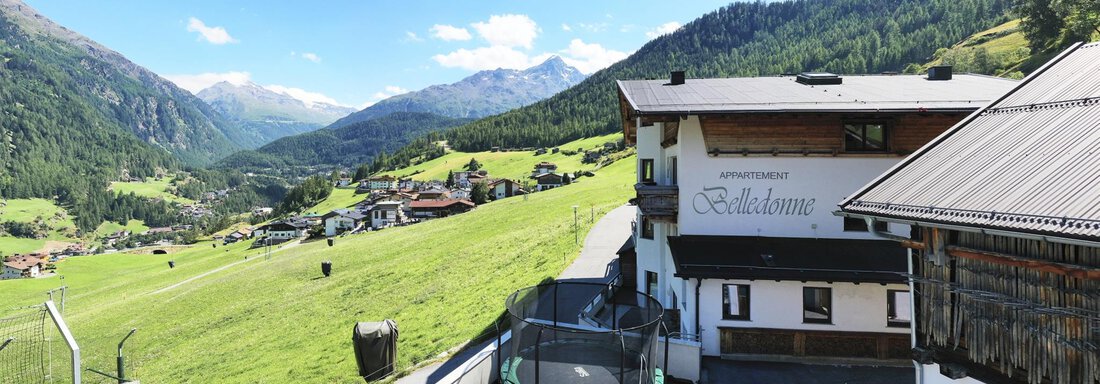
(25, 351)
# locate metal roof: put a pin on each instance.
(859, 93)
(1030, 162)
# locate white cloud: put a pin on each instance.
(589, 58)
(508, 30)
(410, 36)
(663, 29)
(198, 82)
(450, 33)
(307, 97)
(214, 35)
(594, 27)
(311, 57)
(566, 27)
(387, 92)
(484, 58)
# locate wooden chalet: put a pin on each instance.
(1004, 229)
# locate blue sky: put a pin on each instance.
(357, 52)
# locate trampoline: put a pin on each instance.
(582, 333)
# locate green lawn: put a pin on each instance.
(150, 188)
(512, 165)
(29, 210)
(278, 321)
(10, 245)
(340, 198)
(109, 227)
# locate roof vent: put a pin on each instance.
(819, 78)
(939, 72)
(677, 78)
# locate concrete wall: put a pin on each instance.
(930, 374)
(684, 360)
(856, 308)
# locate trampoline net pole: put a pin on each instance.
(665, 366)
(538, 342)
(622, 357)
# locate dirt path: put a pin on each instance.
(222, 268)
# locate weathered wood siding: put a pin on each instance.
(818, 133)
(1028, 325)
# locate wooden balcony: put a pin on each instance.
(658, 203)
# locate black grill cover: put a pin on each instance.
(375, 348)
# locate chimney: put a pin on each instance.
(819, 78)
(677, 78)
(939, 72)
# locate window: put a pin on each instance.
(651, 283)
(865, 137)
(817, 305)
(735, 302)
(852, 224)
(897, 308)
(647, 228)
(645, 171)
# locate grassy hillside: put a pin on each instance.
(999, 51)
(60, 225)
(150, 188)
(512, 165)
(339, 198)
(278, 321)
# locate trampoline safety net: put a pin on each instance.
(584, 333)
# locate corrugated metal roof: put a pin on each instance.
(783, 94)
(1029, 162)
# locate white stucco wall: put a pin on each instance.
(778, 305)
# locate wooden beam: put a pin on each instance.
(913, 245)
(1071, 270)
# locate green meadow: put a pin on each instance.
(278, 320)
(511, 165)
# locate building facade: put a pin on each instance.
(735, 231)
(1005, 233)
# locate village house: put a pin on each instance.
(460, 193)
(503, 188)
(20, 266)
(284, 230)
(544, 168)
(380, 183)
(547, 181)
(386, 214)
(342, 220)
(463, 179)
(734, 232)
(407, 184)
(424, 209)
(434, 194)
(343, 182)
(1000, 217)
(263, 211)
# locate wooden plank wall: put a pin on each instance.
(1032, 326)
(818, 132)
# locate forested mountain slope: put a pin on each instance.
(747, 39)
(345, 146)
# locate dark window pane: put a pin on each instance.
(817, 305)
(875, 137)
(853, 137)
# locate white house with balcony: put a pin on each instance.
(737, 178)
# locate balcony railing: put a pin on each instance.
(658, 202)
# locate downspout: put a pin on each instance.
(913, 316)
(698, 284)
